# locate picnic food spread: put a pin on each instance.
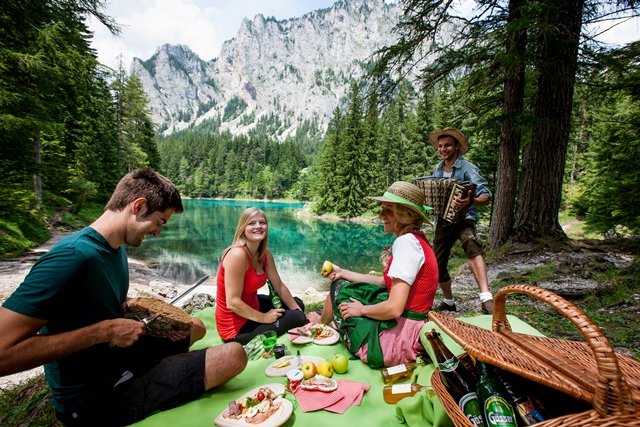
(316, 333)
(531, 401)
(255, 409)
(280, 367)
(261, 406)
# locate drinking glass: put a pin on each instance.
(269, 340)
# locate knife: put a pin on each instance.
(192, 287)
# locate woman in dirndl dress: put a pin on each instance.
(380, 317)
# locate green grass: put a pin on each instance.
(575, 228)
(28, 404)
(26, 230)
(21, 232)
(613, 307)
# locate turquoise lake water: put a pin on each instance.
(192, 243)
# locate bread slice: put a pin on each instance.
(167, 317)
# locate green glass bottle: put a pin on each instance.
(275, 299)
(457, 379)
(497, 411)
(526, 408)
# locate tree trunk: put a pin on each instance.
(544, 160)
(511, 134)
(37, 176)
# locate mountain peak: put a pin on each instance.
(284, 71)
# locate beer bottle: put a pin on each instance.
(457, 379)
(275, 299)
(527, 411)
(497, 411)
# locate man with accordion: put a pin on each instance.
(454, 190)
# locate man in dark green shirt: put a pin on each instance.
(68, 315)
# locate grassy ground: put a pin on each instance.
(614, 307)
(23, 231)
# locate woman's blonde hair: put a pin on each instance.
(409, 219)
(239, 238)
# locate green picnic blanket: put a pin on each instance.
(421, 410)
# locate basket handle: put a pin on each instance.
(612, 393)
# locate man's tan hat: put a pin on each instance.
(456, 133)
(407, 194)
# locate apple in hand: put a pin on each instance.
(309, 370)
(327, 267)
(340, 363)
(325, 369)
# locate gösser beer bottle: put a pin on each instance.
(275, 299)
(497, 411)
(457, 379)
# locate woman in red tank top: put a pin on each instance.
(242, 313)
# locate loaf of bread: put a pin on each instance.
(166, 316)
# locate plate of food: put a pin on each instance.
(316, 333)
(262, 406)
(280, 367)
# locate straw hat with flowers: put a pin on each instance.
(407, 194)
(463, 142)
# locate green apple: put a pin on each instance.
(340, 363)
(325, 368)
(327, 267)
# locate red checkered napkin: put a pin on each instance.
(353, 392)
(312, 400)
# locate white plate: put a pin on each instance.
(272, 371)
(331, 339)
(276, 419)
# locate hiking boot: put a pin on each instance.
(446, 307)
(487, 307)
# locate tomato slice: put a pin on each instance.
(260, 396)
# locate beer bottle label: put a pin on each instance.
(498, 413)
(448, 365)
(275, 300)
(470, 405)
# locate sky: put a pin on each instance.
(204, 25)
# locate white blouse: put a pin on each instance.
(408, 258)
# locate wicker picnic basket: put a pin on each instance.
(588, 371)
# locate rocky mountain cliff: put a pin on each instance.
(274, 74)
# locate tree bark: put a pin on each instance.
(544, 160)
(511, 135)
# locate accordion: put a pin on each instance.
(440, 193)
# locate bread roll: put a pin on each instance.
(169, 317)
